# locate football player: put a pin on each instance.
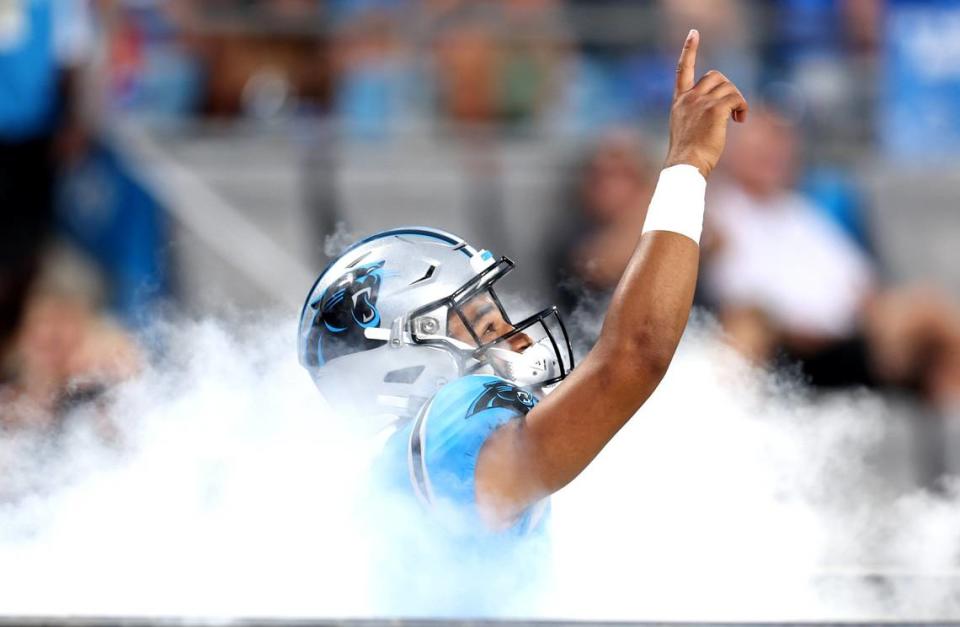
(405, 329)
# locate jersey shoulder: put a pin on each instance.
(450, 430)
(472, 395)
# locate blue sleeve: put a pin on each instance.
(450, 431)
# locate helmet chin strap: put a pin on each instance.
(533, 366)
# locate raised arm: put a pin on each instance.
(526, 460)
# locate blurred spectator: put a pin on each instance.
(43, 46)
(64, 354)
(341, 10)
(63, 360)
(117, 222)
(535, 47)
(825, 50)
(498, 62)
(787, 278)
(151, 64)
(467, 64)
(375, 74)
(920, 86)
(614, 188)
(809, 29)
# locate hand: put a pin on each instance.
(698, 117)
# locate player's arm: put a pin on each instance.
(526, 460)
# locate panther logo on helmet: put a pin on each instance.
(346, 308)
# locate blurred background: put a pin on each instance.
(206, 158)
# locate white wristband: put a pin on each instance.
(677, 203)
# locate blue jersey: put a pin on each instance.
(429, 467)
(29, 69)
(38, 39)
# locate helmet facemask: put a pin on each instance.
(473, 323)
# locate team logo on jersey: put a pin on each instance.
(502, 394)
(346, 308)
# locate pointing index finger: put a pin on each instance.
(687, 63)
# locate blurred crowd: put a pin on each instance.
(388, 66)
(790, 267)
(788, 281)
(385, 66)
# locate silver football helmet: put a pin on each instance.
(403, 312)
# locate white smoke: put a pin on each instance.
(228, 494)
(232, 491)
(736, 495)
